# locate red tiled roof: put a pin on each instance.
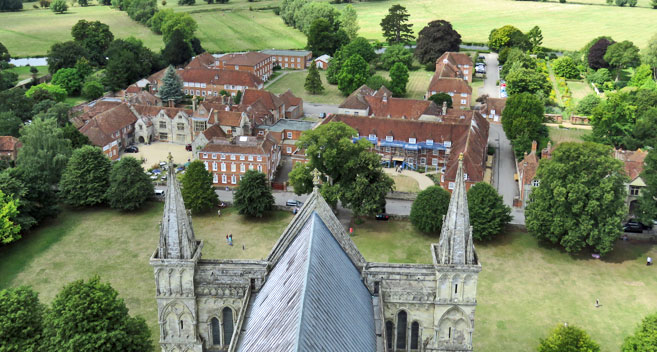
(203, 60)
(9, 143)
(214, 131)
(270, 100)
(445, 85)
(528, 167)
(220, 77)
(496, 104)
(356, 99)
(133, 89)
(100, 128)
(251, 58)
(401, 108)
(456, 58)
(228, 118)
(151, 111)
(97, 108)
(473, 144)
(290, 99)
(632, 160)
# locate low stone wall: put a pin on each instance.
(401, 195)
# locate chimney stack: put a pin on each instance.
(170, 103)
(534, 145)
(444, 108)
(216, 117)
(194, 104)
(385, 97)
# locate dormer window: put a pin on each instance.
(451, 94)
(429, 141)
(388, 138)
(372, 136)
(445, 61)
(411, 140)
(465, 177)
(448, 144)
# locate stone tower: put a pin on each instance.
(174, 263)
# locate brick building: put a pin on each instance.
(291, 59)
(412, 143)
(111, 130)
(453, 76)
(259, 64)
(492, 109)
(228, 159)
(380, 103)
(287, 133)
(9, 146)
(633, 162)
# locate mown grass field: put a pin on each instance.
(560, 135)
(24, 72)
(524, 288)
(234, 27)
(405, 184)
(580, 89)
(565, 26)
(294, 81)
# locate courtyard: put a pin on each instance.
(154, 153)
(524, 289)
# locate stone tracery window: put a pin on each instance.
(415, 335)
(390, 328)
(216, 331)
(227, 320)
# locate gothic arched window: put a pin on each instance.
(227, 320)
(390, 329)
(401, 329)
(415, 335)
(216, 331)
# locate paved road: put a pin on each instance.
(492, 76)
(504, 170)
(313, 109)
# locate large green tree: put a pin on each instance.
(40, 163)
(172, 86)
(311, 11)
(128, 62)
(535, 37)
(395, 26)
(69, 79)
(647, 211)
(644, 338)
(580, 201)
(21, 320)
(253, 196)
(197, 190)
(354, 73)
(8, 79)
(129, 187)
(177, 51)
(75, 136)
(613, 119)
(507, 36)
(324, 37)
(90, 316)
(12, 186)
(488, 213)
(596, 53)
(649, 55)
(313, 84)
(440, 98)
(360, 46)
(9, 229)
(524, 116)
(95, 37)
(349, 21)
(334, 67)
(141, 10)
(429, 208)
(64, 54)
(396, 53)
(565, 67)
(181, 21)
(47, 91)
(622, 55)
(568, 338)
(348, 168)
(398, 79)
(435, 39)
(527, 80)
(10, 124)
(15, 101)
(86, 177)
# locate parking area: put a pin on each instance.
(158, 151)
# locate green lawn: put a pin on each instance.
(294, 80)
(560, 135)
(405, 184)
(418, 82)
(476, 84)
(566, 26)
(24, 72)
(117, 246)
(524, 289)
(580, 89)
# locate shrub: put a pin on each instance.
(59, 6)
(600, 76)
(565, 67)
(587, 104)
(428, 209)
(164, 2)
(92, 90)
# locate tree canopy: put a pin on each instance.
(568, 338)
(128, 61)
(565, 67)
(354, 73)
(86, 177)
(354, 174)
(349, 21)
(523, 117)
(9, 228)
(129, 187)
(398, 79)
(440, 98)
(64, 54)
(647, 211)
(429, 208)
(596, 53)
(507, 36)
(177, 51)
(580, 201)
(360, 46)
(396, 53)
(435, 39)
(90, 316)
(622, 55)
(395, 26)
(527, 80)
(313, 84)
(488, 213)
(95, 37)
(644, 337)
(172, 86)
(21, 319)
(649, 54)
(325, 37)
(197, 190)
(253, 196)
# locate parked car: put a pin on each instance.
(633, 226)
(293, 203)
(382, 217)
(159, 193)
(132, 149)
(322, 115)
(188, 147)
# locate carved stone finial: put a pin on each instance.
(170, 158)
(316, 177)
(461, 157)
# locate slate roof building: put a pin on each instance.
(315, 291)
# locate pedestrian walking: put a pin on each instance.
(649, 261)
(243, 248)
(597, 303)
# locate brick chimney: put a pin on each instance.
(216, 117)
(534, 146)
(385, 98)
(193, 104)
(444, 112)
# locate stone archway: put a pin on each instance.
(141, 139)
(454, 327)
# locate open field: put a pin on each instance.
(560, 135)
(524, 289)
(565, 26)
(418, 82)
(79, 244)
(405, 184)
(580, 89)
(24, 72)
(294, 80)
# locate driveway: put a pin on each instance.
(159, 151)
(504, 170)
(423, 181)
(492, 76)
(312, 109)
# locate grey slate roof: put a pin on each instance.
(286, 52)
(313, 299)
(456, 246)
(177, 239)
(286, 124)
